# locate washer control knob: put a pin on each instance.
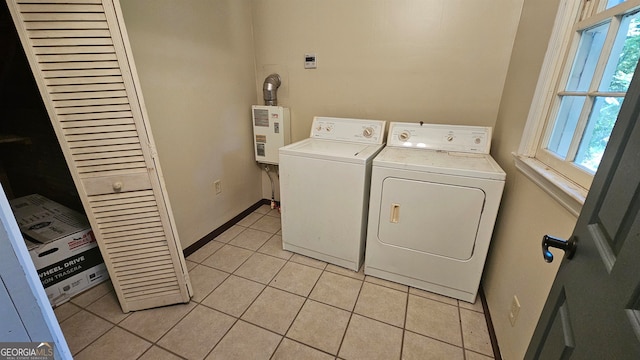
(368, 132)
(449, 138)
(404, 136)
(477, 140)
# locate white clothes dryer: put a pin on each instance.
(435, 193)
(324, 189)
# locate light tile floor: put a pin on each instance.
(255, 301)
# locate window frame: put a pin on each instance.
(563, 180)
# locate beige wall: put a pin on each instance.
(195, 61)
(515, 265)
(436, 61)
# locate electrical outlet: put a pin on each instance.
(218, 186)
(514, 310)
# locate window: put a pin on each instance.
(591, 59)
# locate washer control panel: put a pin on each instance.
(353, 130)
(459, 138)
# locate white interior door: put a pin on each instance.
(81, 60)
(25, 313)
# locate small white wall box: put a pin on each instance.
(62, 247)
(271, 131)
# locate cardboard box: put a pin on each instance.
(62, 247)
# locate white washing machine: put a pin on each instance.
(435, 192)
(324, 189)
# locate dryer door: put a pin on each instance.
(429, 217)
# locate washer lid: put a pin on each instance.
(441, 162)
(332, 150)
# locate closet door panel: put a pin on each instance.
(81, 60)
(117, 184)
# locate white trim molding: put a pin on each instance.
(569, 194)
(568, 14)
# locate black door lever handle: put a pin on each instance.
(569, 247)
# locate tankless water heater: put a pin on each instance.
(271, 131)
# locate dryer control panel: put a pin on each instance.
(353, 130)
(458, 138)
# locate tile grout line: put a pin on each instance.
(236, 319)
(261, 292)
(239, 318)
(171, 328)
(162, 348)
(436, 339)
(117, 325)
(350, 317)
(85, 308)
(464, 353)
(299, 310)
(404, 325)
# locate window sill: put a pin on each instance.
(569, 194)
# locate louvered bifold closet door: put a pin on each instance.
(81, 60)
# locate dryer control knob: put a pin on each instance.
(449, 138)
(404, 136)
(367, 132)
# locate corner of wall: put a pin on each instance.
(515, 265)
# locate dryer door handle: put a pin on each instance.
(395, 213)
